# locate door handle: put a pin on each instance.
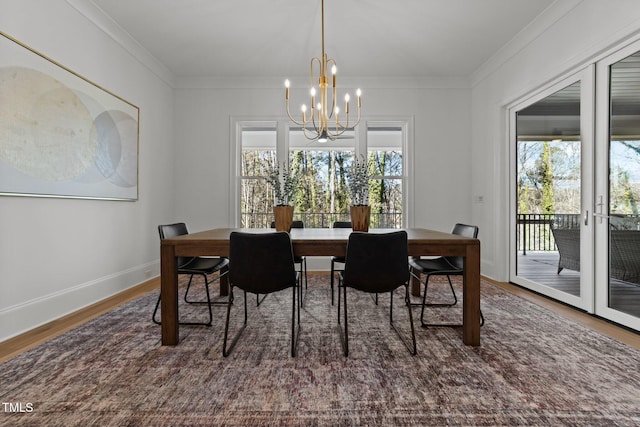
(586, 218)
(601, 216)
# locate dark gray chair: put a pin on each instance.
(337, 259)
(376, 263)
(261, 263)
(300, 261)
(193, 266)
(443, 266)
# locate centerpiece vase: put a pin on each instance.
(360, 216)
(283, 215)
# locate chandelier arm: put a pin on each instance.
(319, 61)
(324, 112)
(313, 122)
(291, 118)
(346, 126)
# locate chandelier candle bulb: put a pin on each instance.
(318, 128)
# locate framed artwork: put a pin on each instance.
(62, 135)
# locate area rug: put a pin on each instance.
(533, 367)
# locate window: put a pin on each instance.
(320, 170)
(322, 195)
(258, 152)
(386, 169)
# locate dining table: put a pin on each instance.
(320, 242)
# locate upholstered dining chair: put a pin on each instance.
(376, 263)
(193, 266)
(442, 266)
(261, 263)
(300, 261)
(339, 260)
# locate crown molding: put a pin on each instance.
(105, 23)
(204, 82)
(552, 14)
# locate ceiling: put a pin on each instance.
(367, 38)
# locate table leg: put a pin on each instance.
(415, 282)
(224, 281)
(471, 298)
(169, 295)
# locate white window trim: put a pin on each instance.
(283, 125)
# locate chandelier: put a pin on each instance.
(323, 122)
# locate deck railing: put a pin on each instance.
(534, 230)
(320, 219)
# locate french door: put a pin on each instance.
(575, 187)
(551, 191)
(616, 211)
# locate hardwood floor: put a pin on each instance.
(36, 336)
(597, 324)
(28, 340)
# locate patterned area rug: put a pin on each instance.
(534, 367)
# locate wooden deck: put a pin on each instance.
(542, 268)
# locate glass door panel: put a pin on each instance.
(617, 211)
(551, 154)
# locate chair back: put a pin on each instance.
(167, 231)
(465, 231)
(261, 263)
(376, 263)
(342, 224)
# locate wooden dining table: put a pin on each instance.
(321, 242)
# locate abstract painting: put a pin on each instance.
(60, 134)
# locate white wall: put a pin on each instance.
(58, 255)
(441, 112)
(588, 29)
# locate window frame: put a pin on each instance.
(283, 127)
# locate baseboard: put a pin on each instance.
(22, 342)
(24, 317)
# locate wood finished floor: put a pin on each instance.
(30, 339)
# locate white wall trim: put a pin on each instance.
(258, 82)
(528, 34)
(28, 315)
(105, 23)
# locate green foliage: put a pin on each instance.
(546, 172)
(320, 182)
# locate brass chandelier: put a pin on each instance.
(323, 123)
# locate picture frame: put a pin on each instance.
(61, 135)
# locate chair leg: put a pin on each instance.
(455, 297)
(206, 287)
(306, 279)
(344, 336)
(413, 349)
(424, 304)
(258, 300)
(333, 272)
(189, 287)
(303, 272)
(374, 297)
(295, 335)
(444, 304)
(206, 284)
(153, 318)
(226, 351)
(208, 302)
